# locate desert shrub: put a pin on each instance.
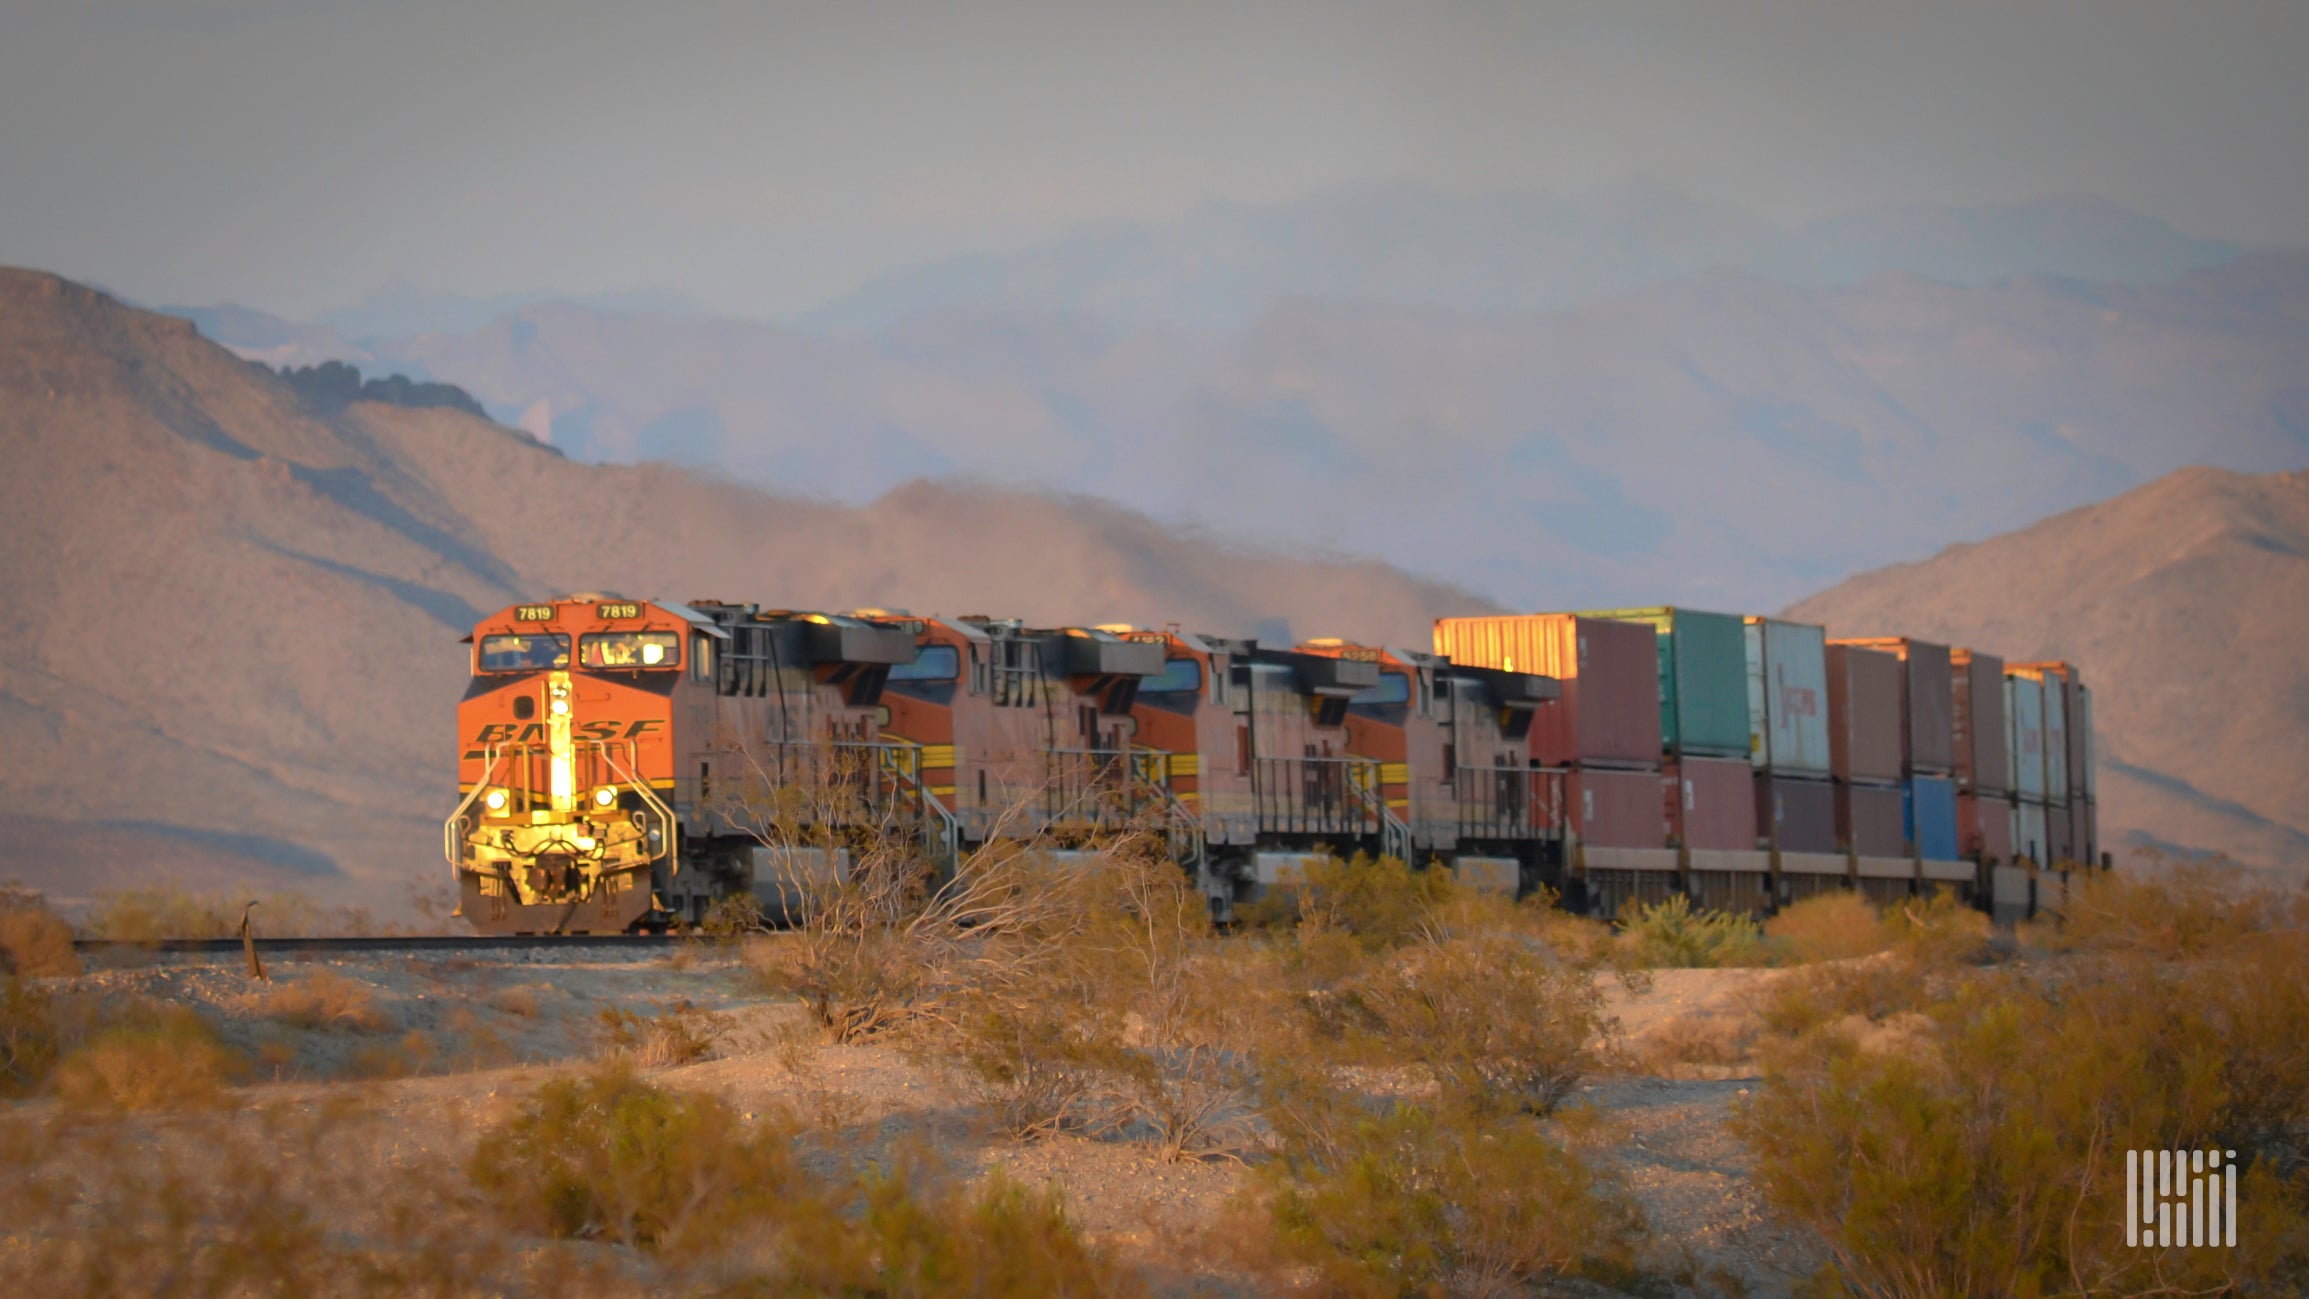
(1500, 1026)
(1426, 1201)
(157, 912)
(323, 999)
(1939, 931)
(678, 1034)
(2182, 913)
(1978, 1148)
(29, 1039)
(1380, 903)
(35, 942)
(518, 1000)
(164, 1060)
(611, 1156)
(998, 1240)
(1827, 927)
(1671, 934)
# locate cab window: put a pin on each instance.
(1179, 676)
(526, 652)
(701, 658)
(1393, 688)
(931, 663)
(630, 649)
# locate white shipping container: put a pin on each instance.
(2055, 741)
(1788, 697)
(2024, 736)
(2029, 831)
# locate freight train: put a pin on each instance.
(626, 764)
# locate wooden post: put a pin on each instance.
(249, 944)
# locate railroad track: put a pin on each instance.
(403, 943)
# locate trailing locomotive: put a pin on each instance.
(627, 763)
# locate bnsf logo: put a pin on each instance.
(534, 733)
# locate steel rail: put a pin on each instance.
(396, 943)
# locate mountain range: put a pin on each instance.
(230, 611)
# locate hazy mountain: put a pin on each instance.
(1723, 440)
(1218, 268)
(229, 617)
(2186, 605)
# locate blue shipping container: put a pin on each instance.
(1928, 817)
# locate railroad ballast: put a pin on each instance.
(625, 764)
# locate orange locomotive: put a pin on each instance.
(627, 763)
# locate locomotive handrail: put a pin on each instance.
(1145, 763)
(451, 841)
(909, 774)
(665, 814)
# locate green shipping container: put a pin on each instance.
(1703, 678)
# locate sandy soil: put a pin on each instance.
(448, 1043)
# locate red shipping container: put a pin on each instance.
(1609, 712)
(1800, 815)
(1868, 820)
(1977, 723)
(1617, 809)
(1927, 741)
(1984, 828)
(1863, 714)
(1712, 803)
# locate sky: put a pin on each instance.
(761, 158)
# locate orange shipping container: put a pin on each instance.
(1609, 712)
(1617, 809)
(1984, 828)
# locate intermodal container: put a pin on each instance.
(1609, 711)
(1984, 828)
(1712, 802)
(1868, 820)
(1617, 809)
(1976, 722)
(1703, 661)
(1863, 714)
(2082, 748)
(2028, 832)
(1787, 697)
(2024, 737)
(1795, 815)
(1927, 703)
(1928, 817)
(2055, 741)
(2059, 837)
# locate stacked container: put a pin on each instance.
(1602, 735)
(1864, 747)
(2024, 754)
(1788, 749)
(1927, 759)
(1982, 768)
(2072, 836)
(1706, 782)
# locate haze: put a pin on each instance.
(763, 160)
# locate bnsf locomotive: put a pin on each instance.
(627, 763)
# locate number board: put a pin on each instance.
(1356, 654)
(1147, 638)
(612, 611)
(533, 613)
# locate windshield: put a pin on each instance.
(524, 653)
(1393, 688)
(630, 649)
(1177, 677)
(931, 663)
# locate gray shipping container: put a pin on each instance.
(1927, 742)
(2055, 741)
(1863, 714)
(2085, 745)
(1788, 697)
(1978, 722)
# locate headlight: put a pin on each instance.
(604, 796)
(560, 707)
(495, 800)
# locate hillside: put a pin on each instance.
(229, 618)
(1723, 440)
(2186, 603)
